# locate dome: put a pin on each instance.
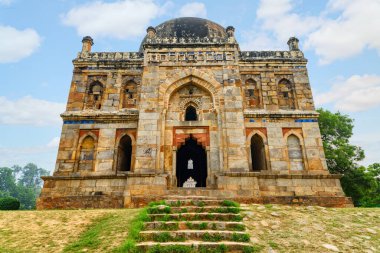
(189, 28)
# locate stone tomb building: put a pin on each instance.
(190, 113)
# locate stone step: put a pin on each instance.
(193, 202)
(197, 246)
(198, 225)
(191, 194)
(197, 209)
(195, 216)
(201, 235)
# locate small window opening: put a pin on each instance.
(191, 113)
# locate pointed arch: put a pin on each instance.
(286, 96)
(86, 152)
(258, 156)
(129, 94)
(191, 113)
(258, 151)
(252, 93)
(295, 152)
(94, 96)
(194, 76)
(124, 153)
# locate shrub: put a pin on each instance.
(9, 203)
(230, 203)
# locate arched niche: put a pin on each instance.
(124, 153)
(286, 96)
(87, 152)
(258, 156)
(190, 102)
(94, 96)
(295, 153)
(252, 93)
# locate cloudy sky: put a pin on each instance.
(39, 39)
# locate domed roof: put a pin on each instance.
(190, 28)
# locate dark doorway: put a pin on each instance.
(191, 113)
(191, 150)
(124, 153)
(258, 153)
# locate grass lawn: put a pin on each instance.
(64, 230)
(273, 228)
(313, 229)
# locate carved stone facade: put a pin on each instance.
(134, 120)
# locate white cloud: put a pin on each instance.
(6, 2)
(194, 9)
(30, 111)
(356, 93)
(121, 19)
(17, 44)
(278, 17)
(354, 30)
(344, 29)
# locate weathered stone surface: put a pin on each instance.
(129, 113)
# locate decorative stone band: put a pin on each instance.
(101, 56)
(266, 55)
(188, 40)
(301, 116)
(139, 56)
(272, 175)
(94, 116)
(118, 176)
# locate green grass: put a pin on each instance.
(91, 238)
(166, 237)
(158, 209)
(220, 249)
(211, 237)
(171, 249)
(230, 203)
(240, 237)
(136, 226)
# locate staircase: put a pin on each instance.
(194, 224)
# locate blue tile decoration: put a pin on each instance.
(70, 122)
(306, 120)
(251, 120)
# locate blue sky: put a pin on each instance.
(39, 39)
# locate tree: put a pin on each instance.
(358, 182)
(23, 183)
(336, 131)
(7, 182)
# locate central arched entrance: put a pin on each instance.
(191, 162)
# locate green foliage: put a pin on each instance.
(91, 238)
(230, 203)
(168, 226)
(200, 203)
(157, 203)
(159, 209)
(219, 249)
(360, 183)
(252, 249)
(239, 227)
(137, 224)
(236, 218)
(9, 203)
(203, 226)
(336, 131)
(171, 249)
(212, 237)
(23, 183)
(240, 237)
